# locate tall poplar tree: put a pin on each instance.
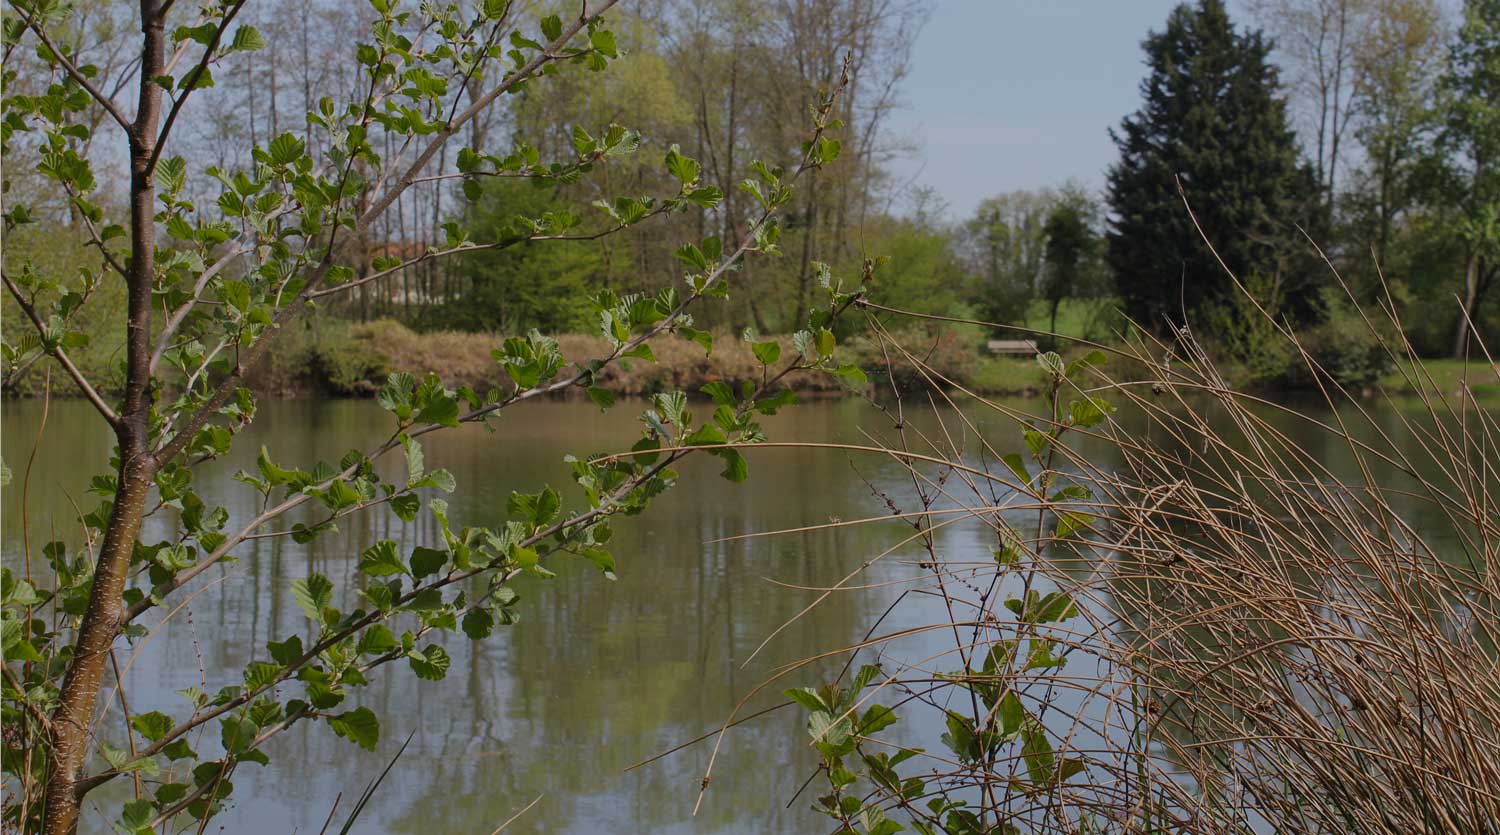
(1214, 119)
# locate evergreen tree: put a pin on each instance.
(1213, 118)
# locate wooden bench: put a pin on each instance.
(1012, 346)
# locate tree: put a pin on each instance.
(209, 285)
(1073, 251)
(1214, 124)
(1319, 41)
(923, 274)
(519, 288)
(1397, 61)
(1468, 161)
(1005, 245)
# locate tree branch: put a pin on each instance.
(83, 80)
(521, 73)
(191, 79)
(62, 355)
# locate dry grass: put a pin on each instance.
(1263, 643)
(340, 358)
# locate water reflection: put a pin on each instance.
(598, 674)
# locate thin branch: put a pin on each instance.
(459, 250)
(62, 355)
(175, 320)
(191, 80)
(521, 73)
(83, 80)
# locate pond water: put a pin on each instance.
(596, 676)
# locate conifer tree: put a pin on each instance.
(1213, 118)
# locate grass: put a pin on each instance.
(1076, 318)
(1008, 375)
(1445, 376)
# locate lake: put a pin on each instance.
(596, 676)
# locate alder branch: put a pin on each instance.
(191, 80)
(459, 250)
(522, 73)
(177, 316)
(559, 529)
(83, 80)
(226, 388)
(61, 355)
(479, 414)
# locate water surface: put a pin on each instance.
(596, 676)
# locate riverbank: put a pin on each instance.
(334, 358)
(350, 360)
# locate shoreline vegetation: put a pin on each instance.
(335, 358)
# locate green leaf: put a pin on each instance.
(285, 149)
(431, 663)
(247, 39)
(721, 393)
(1012, 713)
(602, 397)
(767, 352)
(685, 169)
(1036, 442)
(1017, 466)
(1088, 412)
(825, 342)
(1037, 752)
(704, 339)
(735, 468)
(552, 27)
(852, 375)
(314, 595)
(136, 816)
(808, 698)
(691, 255)
(285, 652)
(1070, 523)
(425, 561)
(406, 506)
(478, 624)
(415, 461)
(1054, 607)
(382, 559)
(153, 725)
(376, 640)
(876, 719)
(237, 733)
(359, 726)
(1092, 359)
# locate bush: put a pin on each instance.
(1348, 349)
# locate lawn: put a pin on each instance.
(1447, 376)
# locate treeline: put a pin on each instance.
(1308, 166)
(1321, 160)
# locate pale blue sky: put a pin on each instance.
(1011, 94)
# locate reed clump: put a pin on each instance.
(1204, 611)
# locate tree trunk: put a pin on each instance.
(1471, 295)
(102, 619)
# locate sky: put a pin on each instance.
(1020, 94)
